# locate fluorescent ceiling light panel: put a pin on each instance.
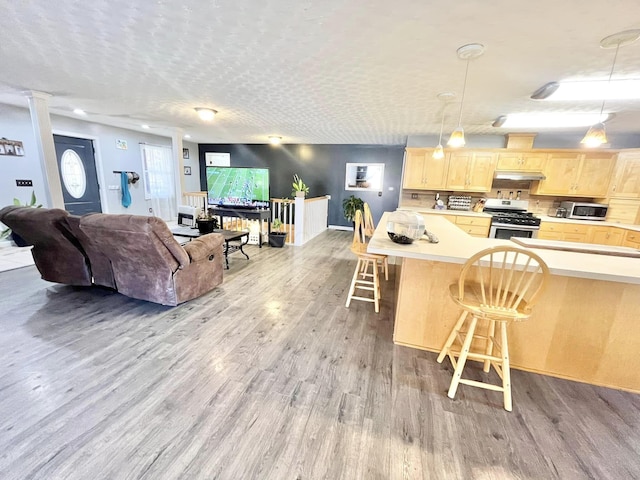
(590, 90)
(550, 120)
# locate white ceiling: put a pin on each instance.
(324, 71)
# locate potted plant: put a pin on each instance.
(206, 223)
(300, 189)
(277, 236)
(349, 207)
(17, 239)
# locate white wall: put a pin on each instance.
(15, 124)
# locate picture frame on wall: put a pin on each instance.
(11, 147)
(185, 154)
(187, 170)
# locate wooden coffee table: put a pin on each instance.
(229, 236)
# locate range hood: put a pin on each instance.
(508, 175)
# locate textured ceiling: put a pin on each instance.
(330, 71)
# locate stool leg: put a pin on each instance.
(376, 285)
(491, 331)
(506, 372)
(385, 262)
(352, 288)
(452, 336)
(462, 359)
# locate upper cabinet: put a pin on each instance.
(471, 171)
(576, 174)
(626, 177)
(522, 161)
(422, 171)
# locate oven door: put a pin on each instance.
(505, 231)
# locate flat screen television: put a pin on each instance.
(238, 186)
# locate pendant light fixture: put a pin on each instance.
(438, 153)
(468, 53)
(597, 135)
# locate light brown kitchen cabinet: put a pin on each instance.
(422, 171)
(471, 171)
(474, 226)
(606, 235)
(624, 210)
(522, 161)
(625, 182)
(568, 232)
(576, 174)
(631, 239)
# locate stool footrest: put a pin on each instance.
(486, 386)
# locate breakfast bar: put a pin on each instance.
(584, 328)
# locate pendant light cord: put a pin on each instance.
(608, 88)
(442, 124)
(464, 89)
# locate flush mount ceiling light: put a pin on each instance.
(206, 114)
(438, 153)
(468, 53)
(550, 120)
(145, 126)
(597, 135)
(274, 140)
(79, 111)
(589, 90)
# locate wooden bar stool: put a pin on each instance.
(496, 286)
(369, 228)
(364, 279)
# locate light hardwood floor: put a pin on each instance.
(271, 377)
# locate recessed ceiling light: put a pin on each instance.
(550, 120)
(206, 114)
(589, 90)
(274, 140)
(187, 135)
(79, 111)
(146, 127)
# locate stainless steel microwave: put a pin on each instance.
(585, 211)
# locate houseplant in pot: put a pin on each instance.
(277, 237)
(7, 233)
(349, 207)
(206, 223)
(300, 189)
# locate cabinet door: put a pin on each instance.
(435, 172)
(522, 161)
(413, 169)
(561, 172)
(631, 239)
(599, 235)
(626, 178)
(595, 175)
(509, 161)
(534, 162)
(480, 174)
(459, 163)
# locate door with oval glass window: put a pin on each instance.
(77, 166)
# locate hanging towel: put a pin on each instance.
(124, 184)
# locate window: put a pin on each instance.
(73, 174)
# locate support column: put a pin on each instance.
(178, 161)
(41, 123)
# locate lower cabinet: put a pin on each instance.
(631, 239)
(474, 226)
(568, 232)
(599, 234)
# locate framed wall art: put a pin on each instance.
(11, 147)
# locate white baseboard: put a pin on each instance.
(340, 227)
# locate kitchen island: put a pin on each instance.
(585, 327)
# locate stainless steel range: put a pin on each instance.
(509, 218)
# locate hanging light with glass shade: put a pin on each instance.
(438, 153)
(597, 135)
(468, 53)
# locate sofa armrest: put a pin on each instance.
(200, 248)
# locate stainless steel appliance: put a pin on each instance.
(509, 218)
(585, 211)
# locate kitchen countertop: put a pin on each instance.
(595, 223)
(456, 246)
(430, 211)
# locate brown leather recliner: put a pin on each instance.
(57, 254)
(147, 261)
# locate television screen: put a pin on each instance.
(238, 186)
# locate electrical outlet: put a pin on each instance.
(24, 183)
(414, 196)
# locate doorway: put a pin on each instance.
(78, 174)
